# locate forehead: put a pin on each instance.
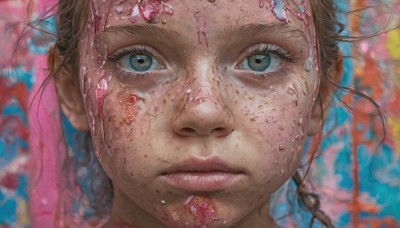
(204, 14)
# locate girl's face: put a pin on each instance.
(199, 117)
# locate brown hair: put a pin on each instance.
(72, 14)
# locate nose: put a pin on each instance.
(205, 115)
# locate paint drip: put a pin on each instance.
(280, 10)
(202, 208)
(101, 94)
(135, 13)
(308, 65)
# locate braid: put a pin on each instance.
(312, 202)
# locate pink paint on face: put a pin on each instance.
(149, 10)
(261, 3)
(101, 93)
(202, 209)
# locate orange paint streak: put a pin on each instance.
(368, 78)
(388, 222)
(354, 207)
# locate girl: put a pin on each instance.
(198, 111)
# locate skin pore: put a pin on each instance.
(199, 117)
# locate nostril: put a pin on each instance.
(188, 131)
(219, 129)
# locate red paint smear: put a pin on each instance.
(96, 20)
(7, 93)
(203, 210)
(10, 181)
(128, 102)
(355, 212)
(101, 94)
(100, 97)
(19, 91)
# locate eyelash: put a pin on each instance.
(271, 49)
(262, 49)
(140, 50)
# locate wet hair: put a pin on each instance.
(72, 14)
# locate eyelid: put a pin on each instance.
(266, 48)
(138, 49)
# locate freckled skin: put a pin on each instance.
(200, 105)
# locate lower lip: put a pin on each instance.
(202, 181)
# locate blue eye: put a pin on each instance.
(136, 60)
(259, 63)
(264, 59)
(140, 62)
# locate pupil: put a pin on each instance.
(259, 62)
(141, 62)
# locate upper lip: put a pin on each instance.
(214, 164)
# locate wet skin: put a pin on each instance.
(202, 138)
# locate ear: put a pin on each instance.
(68, 91)
(325, 94)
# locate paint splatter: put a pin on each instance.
(279, 10)
(149, 10)
(128, 102)
(101, 94)
(202, 208)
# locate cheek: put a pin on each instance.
(281, 125)
(113, 113)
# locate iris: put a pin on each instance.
(259, 63)
(140, 63)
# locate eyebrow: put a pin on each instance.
(140, 30)
(253, 29)
(229, 32)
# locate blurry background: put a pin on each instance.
(359, 184)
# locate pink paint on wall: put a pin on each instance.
(47, 150)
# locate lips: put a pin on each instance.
(202, 175)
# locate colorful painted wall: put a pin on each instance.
(358, 182)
